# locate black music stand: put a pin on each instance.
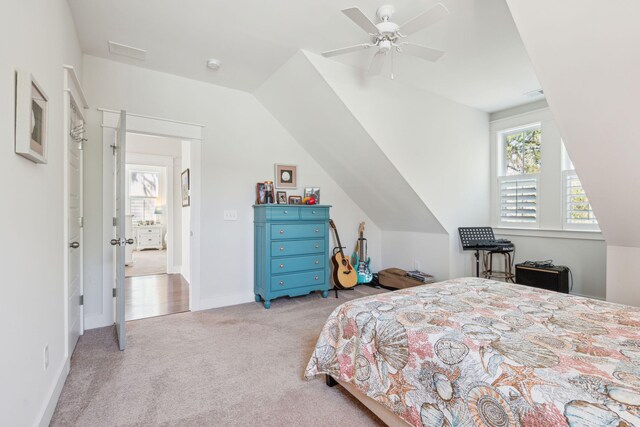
(470, 238)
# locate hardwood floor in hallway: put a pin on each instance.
(150, 296)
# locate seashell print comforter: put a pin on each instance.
(471, 351)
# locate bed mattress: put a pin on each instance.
(472, 351)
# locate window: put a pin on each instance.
(143, 194)
(520, 166)
(522, 153)
(577, 211)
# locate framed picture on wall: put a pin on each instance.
(32, 112)
(185, 187)
(286, 176)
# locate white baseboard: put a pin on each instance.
(54, 395)
(97, 321)
(176, 269)
(226, 300)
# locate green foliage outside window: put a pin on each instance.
(523, 153)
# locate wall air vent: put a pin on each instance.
(534, 93)
(128, 51)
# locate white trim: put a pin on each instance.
(553, 234)
(54, 395)
(106, 112)
(76, 87)
(149, 126)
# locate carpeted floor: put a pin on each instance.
(147, 262)
(233, 366)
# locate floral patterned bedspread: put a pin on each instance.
(477, 352)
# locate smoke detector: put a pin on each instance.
(214, 64)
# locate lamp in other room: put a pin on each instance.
(157, 212)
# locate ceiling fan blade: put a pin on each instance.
(424, 52)
(377, 63)
(361, 20)
(344, 50)
(423, 20)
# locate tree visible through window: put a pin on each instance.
(522, 151)
(143, 193)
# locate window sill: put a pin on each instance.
(553, 234)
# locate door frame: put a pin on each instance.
(139, 123)
(72, 94)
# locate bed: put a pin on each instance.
(472, 351)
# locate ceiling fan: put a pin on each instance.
(388, 35)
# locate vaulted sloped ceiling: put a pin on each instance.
(412, 160)
(305, 104)
(587, 57)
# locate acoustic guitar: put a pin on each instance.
(360, 260)
(344, 275)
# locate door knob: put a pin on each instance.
(115, 242)
(74, 245)
(129, 241)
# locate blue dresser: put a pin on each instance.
(291, 251)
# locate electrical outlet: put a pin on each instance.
(416, 265)
(230, 215)
(46, 357)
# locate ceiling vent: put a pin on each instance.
(534, 93)
(128, 51)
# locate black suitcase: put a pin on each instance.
(553, 278)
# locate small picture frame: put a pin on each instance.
(32, 116)
(281, 197)
(295, 200)
(312, 192)
(286, 176)
(185, 188)
(261, 194)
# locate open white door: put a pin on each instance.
(120, 240)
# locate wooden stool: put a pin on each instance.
(489, 273)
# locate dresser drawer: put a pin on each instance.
(284, 213)
(320, 214)
(297, 231)
(298, 280)
(288, 265)
(297, 247)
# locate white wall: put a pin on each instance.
(440, 147)
(39, 37)
(594, 99)
(623, 270)
(242, 141)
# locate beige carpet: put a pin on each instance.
(233, 366)
(147, 263)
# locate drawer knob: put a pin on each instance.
(317, 262)
(281, 265)
(317, 246)
(282, 248)
(281, 231)
(316, 278)
(281, 282)
(313, 212)
(285, 212)
(317, 230)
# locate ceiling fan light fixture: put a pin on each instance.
(214, 64)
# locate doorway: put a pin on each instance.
(180, 282)
(154, 283)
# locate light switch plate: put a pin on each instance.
(230, 215)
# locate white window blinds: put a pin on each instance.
(577, 209)
(519, 199)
